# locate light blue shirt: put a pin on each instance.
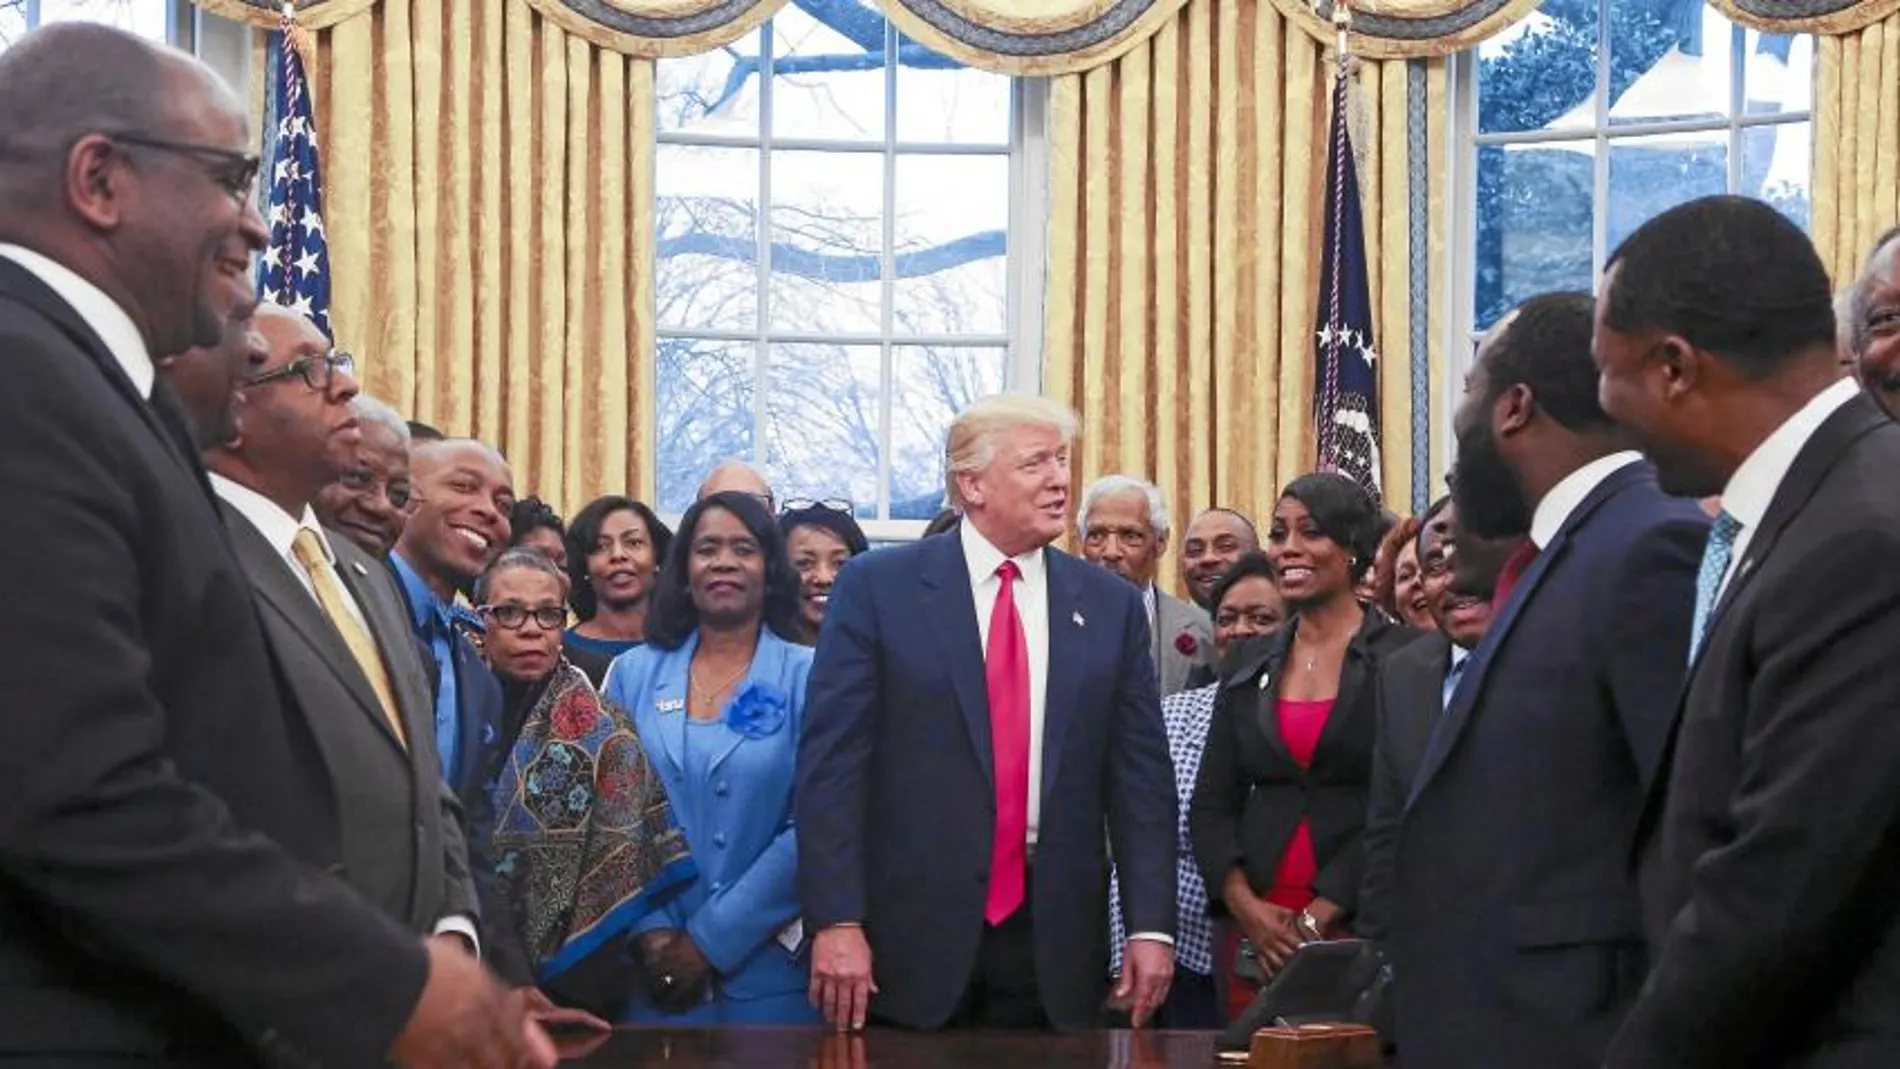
(431, 617)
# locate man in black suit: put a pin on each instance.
(1459, 573)
(1516, 931)
(960, 786)
(1771, 849)
(357, 679)
(162, 893)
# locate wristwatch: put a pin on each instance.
(1308, 927)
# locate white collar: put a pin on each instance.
(278, 527)
(1752, 487)
(99, 312)
(1555, 508)
(983, 557)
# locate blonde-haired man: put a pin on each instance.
(980, 707)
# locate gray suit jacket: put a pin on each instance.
(1174, 618)
(403, 847)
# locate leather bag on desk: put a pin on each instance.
(1316, 1046)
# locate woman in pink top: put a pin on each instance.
(1280, 803)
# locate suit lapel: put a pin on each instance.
(389, 630)
(1355, 674)
(669, 694)
(1067, 656)
(768, 662)
(949, 612)
(274, 582)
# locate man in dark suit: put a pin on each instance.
(357, 679)
(981, 708)
(1459, 573)
(163, 898)
(1771, 848)
(1516, 936)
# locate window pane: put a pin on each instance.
(1534, 223)
(1669, 59)
(822, 432)
(951, 244)
(939, 100)
(704, 413)
(828, 77)
(714, 93)
(147, 18)
(1542, 72)
(1778, 73)
(12, 22)
(827, 240)
(1649, 175)
(1777, 164)
(707, 253)
(929, 386)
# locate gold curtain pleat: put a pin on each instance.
(489, 197)
(1856, 194)
(1185, 193)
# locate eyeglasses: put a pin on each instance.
(239, 169)
(317, 371)
(364, 481)
(829, 504)
(514, 617)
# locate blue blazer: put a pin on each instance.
(1514, 914)
(738, 819)
(896, 795)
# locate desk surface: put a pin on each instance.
(793, 1048)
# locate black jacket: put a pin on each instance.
(1252, 795)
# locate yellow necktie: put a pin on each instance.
(309, 553)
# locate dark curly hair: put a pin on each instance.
(529, 515)
(585, 531)
(1252, 564)
(673, 616)
(1344, 513)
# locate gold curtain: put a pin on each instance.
(1856, 144)
(1184, 254)
(488, 193)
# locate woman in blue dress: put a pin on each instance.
(717, 695)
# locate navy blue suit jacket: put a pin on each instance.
(895, 801)
(1516, 929)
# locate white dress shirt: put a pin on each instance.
(1555, 509)
(1752, 488)
(1032, 606)
(280, 528)
(100, 312)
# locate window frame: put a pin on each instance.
(180, 21)
(1026, 150)
(1462, 333)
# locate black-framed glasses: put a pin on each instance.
(515, 617)
(238, 170)
(829, 504)
(364, 481)
(317, 370)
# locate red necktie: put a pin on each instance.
(1006, 672)
(1514, 568)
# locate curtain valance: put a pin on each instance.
(1830, 18)
(1401, 29)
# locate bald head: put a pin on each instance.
(738, 477)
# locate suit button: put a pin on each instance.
(718, 886)
(722, 788)
(719, 838)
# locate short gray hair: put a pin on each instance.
(1116, 486)
(370, 410)
(522, 557)
(1859, 298)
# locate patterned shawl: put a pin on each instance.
(585, 840)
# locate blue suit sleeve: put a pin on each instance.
(834, 755)
(1646, 636)
(1143, 806)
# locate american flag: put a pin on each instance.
(296, 267)
(1347, 385)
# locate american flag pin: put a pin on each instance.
(1079, 622)
(360, 570)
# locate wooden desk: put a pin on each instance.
(795, 1048)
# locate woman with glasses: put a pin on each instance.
(370, 504)
(614, 549)
(819, 537)
(718, 695)
(584, 842)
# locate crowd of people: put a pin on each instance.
(326, 747)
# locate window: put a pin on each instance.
(157, 19)
(834, 262)
(1591, 116)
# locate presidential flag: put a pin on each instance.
(1346, 385)
(296, 268)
